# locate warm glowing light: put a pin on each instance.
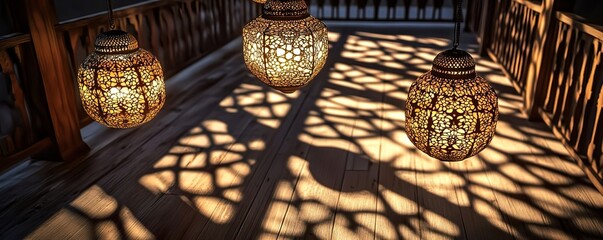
(285, 47)
(260, 1)
(121, 85)
(451, 112)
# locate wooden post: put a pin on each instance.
(488, 19)
(56, 75)
(541, 55)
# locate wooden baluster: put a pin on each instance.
(504, 42)
(595, 147)
(596, 99)
(361, 6)
(513, 56)
(154, 35)
(203, 24)
(551, 79)
(21, 132)
(567, 59)
(567, 80)
(576, 116)
(584, 118)
(7, 119)
(543, 38)
(221, 19)
(498, 32)
(193, 13)
(377, 8)
(437, 7)
(180, 47)
(321, 8)
(335, 8)
(348, 6)
(58, 85)
(167, 32)
(421, 5)
(407, 9)
(391, 9)
(533, 21)
(135, 22)
(525, 47)
(74, 40)
(486, 32)
(91, 34)
(214, 23)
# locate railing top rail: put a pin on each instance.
(119, 12)
(577, 22)
(531, 4)
(13, 39)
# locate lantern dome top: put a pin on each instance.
(285, 10)
(115, 41)
(454, 64)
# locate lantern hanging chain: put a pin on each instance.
(458, 18)
(111, 20)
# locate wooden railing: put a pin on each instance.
(554, 60)
(382, 10)
(23, 117)
(514, 37)
(39, 107)
(572, 93)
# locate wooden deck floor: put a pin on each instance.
(229, 158)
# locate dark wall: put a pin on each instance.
(5, 24)
(592, 10)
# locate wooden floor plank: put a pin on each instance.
(482, 218)
(322, 174)
(251, 146)
(581, 218)
(512, 184)
(310, 211)
(357, 205)
(439, 209)
(278, 178)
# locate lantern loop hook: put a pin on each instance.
(111, 20)
(458, 18)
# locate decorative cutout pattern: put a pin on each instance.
(285, 8)
(286, 55)
(451, 118)
(121, 87)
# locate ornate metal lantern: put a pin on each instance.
(121, 85)
(451, 113)
(285, 47)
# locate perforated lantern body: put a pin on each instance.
(451, 113)
(121, 85)
(285, 47)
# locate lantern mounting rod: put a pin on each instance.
(111, 20)
(458, 18)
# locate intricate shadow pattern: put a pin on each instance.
(334, 161)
